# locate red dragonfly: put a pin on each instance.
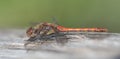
(50, 28)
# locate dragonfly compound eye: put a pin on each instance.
(29, 31)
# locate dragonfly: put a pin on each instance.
(47, 30)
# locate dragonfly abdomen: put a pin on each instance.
(63, 29)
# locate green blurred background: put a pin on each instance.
(69, 13)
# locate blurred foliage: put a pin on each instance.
(69, 13)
